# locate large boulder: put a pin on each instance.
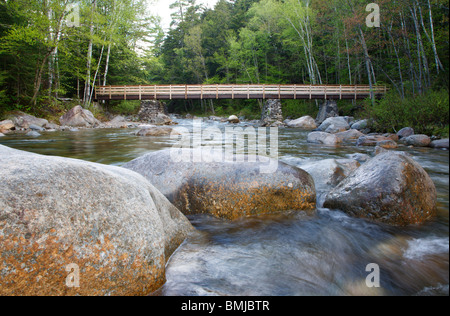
(109, 222)
(350, 135)
(329, 173)
(305, 122)
(6, 126)
(23, 121)
(387, 144)
(327, 110)
(79, 117)
(391, 188)
(233, 119)
(405, 132)
(360, 125)
(161, 119)
(118, 122)
(323, 138)
(440, 144)
(223, 189)
(417, 140)
(334, 125)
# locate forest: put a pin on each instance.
(52, 51)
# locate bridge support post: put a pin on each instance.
(328, 109)
(154, 112)
(272, 113)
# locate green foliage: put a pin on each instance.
(427, 113)
(125, 107)
(240, 41)
(294, 109)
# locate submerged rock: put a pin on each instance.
(371, 140)
(391, 188)
(226, 189)
(33, 134)
(157, 131)
(110, 222)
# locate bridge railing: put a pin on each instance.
(172, 92)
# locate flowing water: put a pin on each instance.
(326, 253)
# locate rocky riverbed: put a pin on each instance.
(397, 214)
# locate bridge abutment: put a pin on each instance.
(272, 112)
(327, 109)
(154, 112)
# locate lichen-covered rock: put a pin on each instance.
(228, 190)
(108, 221)
(391, 188)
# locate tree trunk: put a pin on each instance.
(107, 64)
(38, 77)
(422, 58)
(368, 63)
(87, 85)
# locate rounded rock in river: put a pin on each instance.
(108, 221)
(226, 189)
(391, 188)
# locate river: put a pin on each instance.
(294, 254)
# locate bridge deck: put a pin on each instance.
(198, 92)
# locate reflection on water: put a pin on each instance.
(290, 254)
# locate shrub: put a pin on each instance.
(294, 109)
(427, 113)
(126, 107)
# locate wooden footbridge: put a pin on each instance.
(235, 91)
